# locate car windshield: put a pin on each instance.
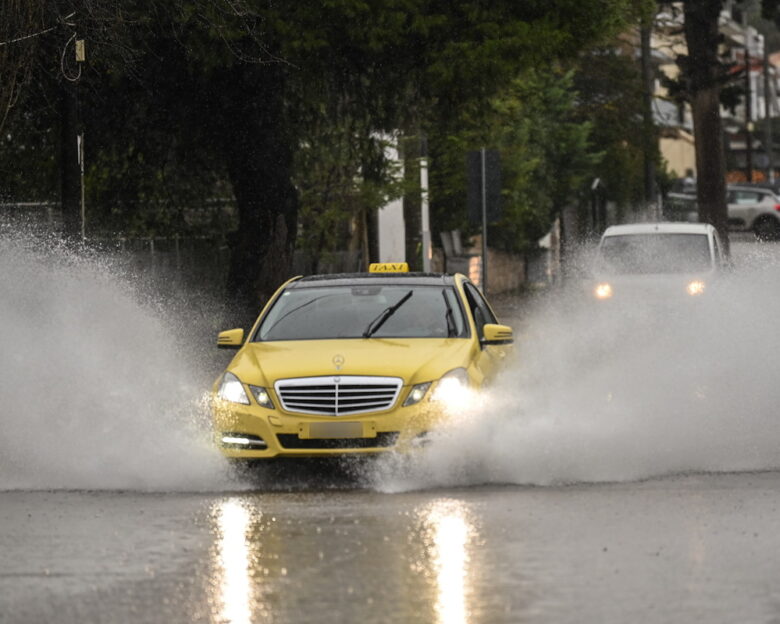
(654, 253)
(348, 312)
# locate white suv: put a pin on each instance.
(754, 209)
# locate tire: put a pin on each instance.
(767, 229)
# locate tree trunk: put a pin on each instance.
(710, 165)
(703, 73)
(259, 160)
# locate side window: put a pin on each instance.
(748, 197)
(479, 308)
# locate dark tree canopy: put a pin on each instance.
(195, 98)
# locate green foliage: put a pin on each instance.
(178, 98)
(609, 88)
(545, 154)
(343, 175)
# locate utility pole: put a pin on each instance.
(748, 114)
(424, 207)
(80, 58)
(648, 135)
(484, 273)
(71, 135)
(768, 147)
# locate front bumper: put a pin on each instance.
(254, 432)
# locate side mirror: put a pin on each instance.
(497, 334)
(230, 339)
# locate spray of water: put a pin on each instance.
(624, 393)
(99, 389)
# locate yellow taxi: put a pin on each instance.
(357, 363)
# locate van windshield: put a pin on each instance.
(627, 254)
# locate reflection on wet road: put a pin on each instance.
(236, 561)
(447, 540)
(695, 548)
(438, 543)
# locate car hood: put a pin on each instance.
(413, 360)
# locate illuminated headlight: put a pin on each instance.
(603, 291)
(696, 287)
(417, 394)
(262, 397)
(453, 389)
(232, 390)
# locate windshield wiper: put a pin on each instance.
(451, 329)
(374, 325)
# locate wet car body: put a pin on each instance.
(355, 364)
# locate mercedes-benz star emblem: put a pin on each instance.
(338, 361)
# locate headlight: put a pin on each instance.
(231, 389)
(603, 291)
(262, 397)
(417, 393)
(452, 388)
(696, 287)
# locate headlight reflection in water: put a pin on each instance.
(448, 535)
(234, 599)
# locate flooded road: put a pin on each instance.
(684, 549)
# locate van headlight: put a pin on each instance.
(453, 389)
(231, 389)
(603, 290)
(696, 287)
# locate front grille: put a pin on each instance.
(338, 395)
(382, 440)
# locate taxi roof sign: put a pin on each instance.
(388, 267)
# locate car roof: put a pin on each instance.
(356, 279)
(659, 228)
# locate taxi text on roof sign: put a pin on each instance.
(388, 267)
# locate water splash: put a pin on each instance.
(621, 395)
(98, 388)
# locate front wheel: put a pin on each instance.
(767, 229)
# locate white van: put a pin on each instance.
(665, 261)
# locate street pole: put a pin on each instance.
(484, 275)
(425, 215)
(768, 147)
(81, 56)
(80, 143)
(649, 145)
(748, 115)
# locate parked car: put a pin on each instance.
(755, 209)
(751, 208)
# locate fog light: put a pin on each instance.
(243, 441)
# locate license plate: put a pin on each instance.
(330, 430)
